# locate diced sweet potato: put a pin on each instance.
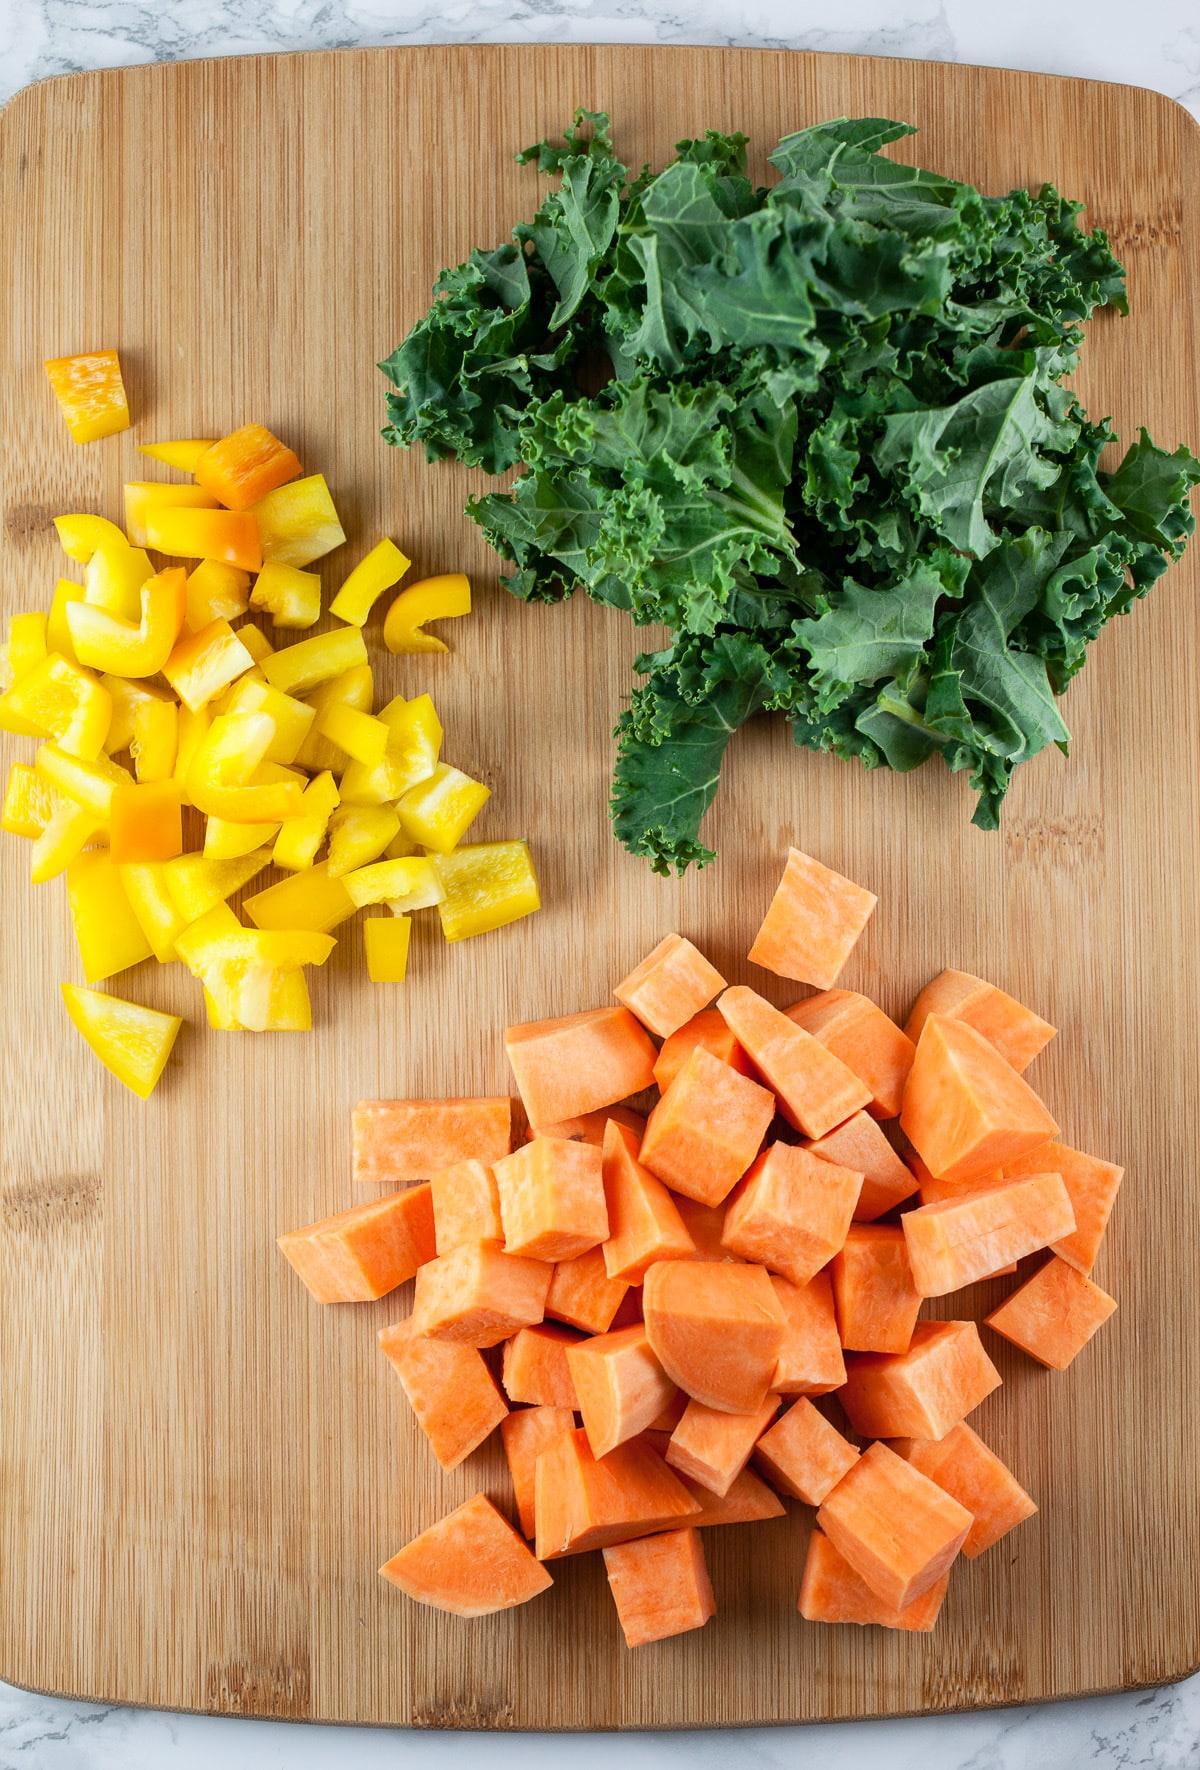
(931, 1190)
(579, 1063)
(707, 1129)
(749, 1501)
(923, 1392)
(967, 1111)
(671, 984)
(1053, 1315)
(581, 1502)
(810, 1360)
(589, 1127)
(717, 1330)
(552, 1199)
(791, 1212)
(831, 1592)
(450, 1388)
(963, 1466)
(620, 1386)
(815, 1090)
(669, 1418)
(526, 1434)
(1015, 1031)
(857, 1031)
(478, 1295)
(660, 1586)
(877, 1301)
(896, 1528)
(803, 1454)
(397, 1141)
(713, 1448)
(644, 1224)
(582, 1294)
(707, 1028)
(964, 1239)
(706, 1225)
(861, 1145)
(813, 921)
(360, 1254)
(1092, 1186)
(471, 1563)
(535, 1368)
(466, 1205)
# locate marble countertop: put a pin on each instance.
(1155, 43)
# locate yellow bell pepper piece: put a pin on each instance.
(219, 776)
(416, 739)
(383, 566)
(359, 834)
(146, 496)
(192, 729)
(439, 811)
(299, 838)
(298, 523)
(215, 592)
(127, 697)
(91, 393)
(292, 718)
(30, 801)
(58, 634)
(104, 641)
(183, 455)
(241, 998)
(82, 535)
(310, 900)
(155, 741)
(197, 884)
(131, 1041)
(297, 668)
(386, 939)
(353, 688)
(401, 846)
(26, 643)
(156, 910)
(146, 822)
(291, 597)
(113, 579)
(410, 884)
(87, 783)
(191, 532)
(363, 737)
(204, 663)
(487, 885)
(68, 833)
(433, 599)
(110, 936)
(59, 700)
(240, 969)
(226, 841)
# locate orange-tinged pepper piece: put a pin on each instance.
(204, 663)
(110, 936)
(103, 641)
(131, 1041)
(298, 522)
(245, 465)
(227, 535)
(59, 700)
(146, 822)
(143, 496)
(91, 393)
(291, 597)
(183, 454)
(383, 566)
(433, 599)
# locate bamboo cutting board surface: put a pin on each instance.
(200, 1470)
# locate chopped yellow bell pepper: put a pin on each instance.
(363, 737)
(26, 643)
(487, 885)
(185, 532)
(410, 884)
(113, 579)
(299, 838)
(383, 566)
(310, 900)
(401, 846)
(58, 634)
(87, 783)
(192, 729)
(359, 834)
(59, 700)
(155, 742)
(156, 910)
(353, 688)
(386, 939)
(411, 755)
(298, 522)
(297, 668)
(30, 801)
(144, 496)
(225, 841)
(126, 698)
(68, 833)
(104, 641)
(292, 718)
(109, 934)
(433, 599)
(439, 811)
(239, 968)
(204, 663)
(219, 776)
(183, 455)
(255, 999)
(91, 393)
(146, 822)
(83, 535)
(215, 592)
(131, 1041)
(291, 597)
(255, 642)
(197, 884)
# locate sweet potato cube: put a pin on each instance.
(1092, 1187)
(360, 1254)
(931, 1190)
(644, 1224)
(810, 1360)
(660, 1586)
(1053, 1315)
(552, 1199)
(671, 984)
(471, 1563)
(707, 1028)
(397, 1141)
(478, 1295)
(962, 1466)
(923, 1392)
(803, 1454)
(814, 1088)
(861, 1145)
(713, 1448)
(749, 1501)
(535, 1368)
(466, 1205)
(832, 1592)
(582, 1294)
(716, 1330)
(791, 1212)
(1015, 1031)
(621, 1388)
(589, 1127)
(526, 1434)
(706, 1225)
(896, 1528)
(452, 1392)
(967, 1111)
(963, 1239)
(707, 1129)
(858, 1031)
(873, 1289)
(581, 1502)
(813, 921)
(579, 1063)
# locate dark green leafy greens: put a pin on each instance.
(819, 431)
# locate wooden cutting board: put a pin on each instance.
(200, 1471)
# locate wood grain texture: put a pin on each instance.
(200, 1471)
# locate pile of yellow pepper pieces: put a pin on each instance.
(280, 752)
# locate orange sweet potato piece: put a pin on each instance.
(526, 1434)
(962, 1466)
(479, 1295)
(861, 1145)
(813, 921)
(671, 984)
(621, 1388)
(1014, 1030)
(707, 1129)
(396, 1141)
(814, 1088)
(967, 1111)
(713, 1448)
(791, 1212)
(471, 1563)
(243, 467)
(803, 1454)
(589, 1127)
(360, 1254)
(579, 1063)
(706, 1225)
(832, 1592)
(583, 1503)
(931, 1190)
(660, 1586)
(1092, 1187)
(466, 1205)
(452, 1392)
(643, 1222)
(1053, 1315)
(716, 1330)
(535, 1367)
(873, 1289)
(897, 1529)
(810, 1360)
(669, 1418)
(707, 1028)
(923, 1392)
(858, 1031)
(582, 1294)
(963, 1239)
(749, 1501)
(552, 1199)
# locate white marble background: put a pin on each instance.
(1150, 43)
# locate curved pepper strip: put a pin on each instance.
(224, 760)
(433, 599)
(103, 641)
